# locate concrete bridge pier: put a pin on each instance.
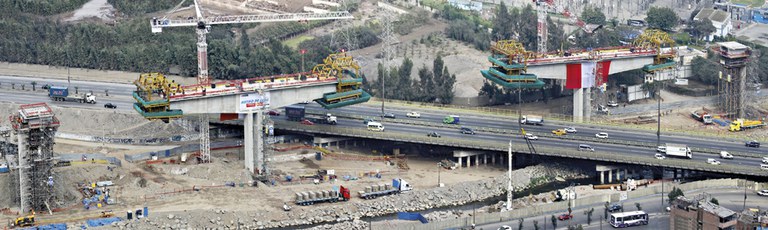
(253, 143)
(582, 104)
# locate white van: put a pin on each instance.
(764, 166)
(375, 126)
(765, 160)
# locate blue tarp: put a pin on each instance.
(48, 227)
(758, 17)
(102, 221)
(721, 122)
(412, 216)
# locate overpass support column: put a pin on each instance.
(578, 105)
(477, 160)
(485, 159)
(248, 142)
(460, 162)
(610, 176)
(588, 105)
(602, 177)
(493, 159)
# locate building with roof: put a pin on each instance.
(720, 19)
(753, 219)
(467, 5)
(699, 213)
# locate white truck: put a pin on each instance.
(532, 120)
(373, 191)
(678, 150)
(725, 155)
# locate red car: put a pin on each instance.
(565, 217)
(307, 122)
(273, 113)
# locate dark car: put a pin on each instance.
(273, 113)
(753, 144)
(368, 120)
(615, 208)
(110, 106)
(389, 115)
(433, 134)
(565, 216)
(46, 86)
(465, 130)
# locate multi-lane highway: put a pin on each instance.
(120, 95)
(583, 130)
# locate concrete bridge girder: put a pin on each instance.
(582, 107)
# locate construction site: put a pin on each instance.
(203, 153)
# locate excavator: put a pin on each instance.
(24, 221)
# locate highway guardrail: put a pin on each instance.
(502, 146)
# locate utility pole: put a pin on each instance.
(509, 174)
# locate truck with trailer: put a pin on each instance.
(59, 93)
(451, 119)
(678, 150)
(702, 117)
(373, 191)
(532, 120)
(331, 196)
(744, 124)
(298, 113)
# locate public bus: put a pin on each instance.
(627, 219)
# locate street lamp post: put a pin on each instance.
(438, 173)
(509, 174)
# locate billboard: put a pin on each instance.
(252, 102)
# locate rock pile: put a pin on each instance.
(347, 215)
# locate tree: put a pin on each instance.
(637, 205)
(705, 70)
(593, 15)
(702, 28)
(555, 36)
(589, 215)
(714, 201)
(554, 221)
(536, 225)
(501, 24)
(520, 224)
(34, 83)
(676, 192)
(662, 18)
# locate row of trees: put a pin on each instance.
(434, 86)
(44, 8)
(139, 7)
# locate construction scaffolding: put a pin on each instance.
(732, 79)
(34, 126)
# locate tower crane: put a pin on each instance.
(203, 24)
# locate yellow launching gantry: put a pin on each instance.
(510, 63)
(348, 90)
(653, 39)
(152, 96)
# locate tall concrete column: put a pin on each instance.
(258, 133)
(625, 174)
(578, 105)
(610, 176)
(602, 177)
(477, 160)
(485, 159)
(460, 162)
(248, 142)
(588, 104)
(493, 159)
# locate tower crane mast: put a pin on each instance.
(202, 25)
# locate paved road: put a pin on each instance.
(583, 130)
(119, 94)
(729, 198)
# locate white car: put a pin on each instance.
(602, 135)
(613, 104)
(570, 130)
(531, 136)
(765, 160)
(659, 156)
(713, 161)
(505, 227)
(661, 149)
(413, 114)
(763, 192)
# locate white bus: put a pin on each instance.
(627, 219)
(375, 126)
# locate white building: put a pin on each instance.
(720, 19)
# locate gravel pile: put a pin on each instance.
(346, 215)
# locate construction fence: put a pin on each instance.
(90, 158)
(115, 140)
(559, 207)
